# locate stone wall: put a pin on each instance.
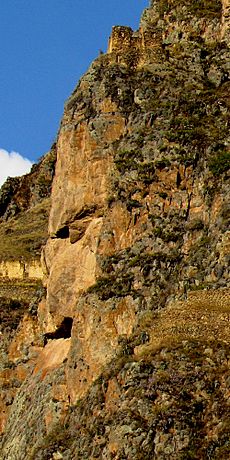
(136, 46)
(21, 270)
(225, 33)
(121, 39)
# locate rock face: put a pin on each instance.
(133, 333)
(22, 193)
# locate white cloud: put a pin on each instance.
(12, 164)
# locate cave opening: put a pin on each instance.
(63, 233)
(62, 332)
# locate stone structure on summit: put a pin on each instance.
(124, 351)
(225, 20)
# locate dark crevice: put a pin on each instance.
(178, 180)
(63, 233)
(188, 208)
(63, 331)
(85, 212)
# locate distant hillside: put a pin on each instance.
(24, 210)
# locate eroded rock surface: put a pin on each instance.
(133, 333)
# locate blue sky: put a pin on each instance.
(46, 45)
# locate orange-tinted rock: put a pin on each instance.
(82, 171)
(54, 353)
(4, 411)
(112, 397)
(24, 338)
(73, 270)
(94, 341)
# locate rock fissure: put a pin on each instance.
(62, 332)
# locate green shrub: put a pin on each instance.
(112, 286)
(207, 8)
(220, 163)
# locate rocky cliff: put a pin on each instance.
(128, 353)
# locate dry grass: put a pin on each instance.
(23, 236)
(205, 315)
